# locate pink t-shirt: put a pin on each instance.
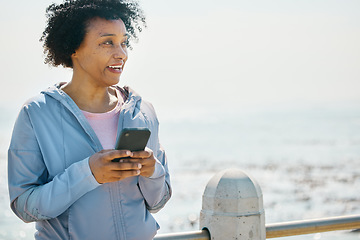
(105, 124)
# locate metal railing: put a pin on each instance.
(312, 226)
(232, 208)
(194, 235)
(276, 230)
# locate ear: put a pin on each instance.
(74, 57)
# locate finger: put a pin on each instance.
(147, 171)
(143, 161)
(142, 154)
(125, 174)
(112, 154)
(125, 166)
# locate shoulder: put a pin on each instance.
(46, 99)
(149, 110)
(145, 106)
(34, 102)
(39, 109)
(39, 104)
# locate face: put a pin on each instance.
(101, 57)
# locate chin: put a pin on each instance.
(113, 82)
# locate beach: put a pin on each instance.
(306, 163)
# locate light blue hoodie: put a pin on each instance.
(50, 180)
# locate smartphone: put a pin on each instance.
(133, 139)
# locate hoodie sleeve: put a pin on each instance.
(157, 188)
(33, 195)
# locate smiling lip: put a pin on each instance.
(116, 68)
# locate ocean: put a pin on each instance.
(306, 161)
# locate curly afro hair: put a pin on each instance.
(67, 22)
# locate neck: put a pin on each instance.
(89, 97)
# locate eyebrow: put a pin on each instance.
(107, 35)
(112, 35)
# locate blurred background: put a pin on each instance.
(270, 87)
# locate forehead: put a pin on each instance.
(100, 26)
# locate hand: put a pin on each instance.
(146, 159)
(104, 170)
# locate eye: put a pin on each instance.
(125, 43)
(108, 43)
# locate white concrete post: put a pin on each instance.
(232, 207)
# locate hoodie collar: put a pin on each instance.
(130, 109)
(55, 92)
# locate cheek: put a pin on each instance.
(99, 57)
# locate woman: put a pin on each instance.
(61, 172)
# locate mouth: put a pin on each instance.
(116, 68)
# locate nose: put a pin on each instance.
(120, 52)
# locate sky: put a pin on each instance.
(201, 58)
(198, 57)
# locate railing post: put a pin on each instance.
(232, 207)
